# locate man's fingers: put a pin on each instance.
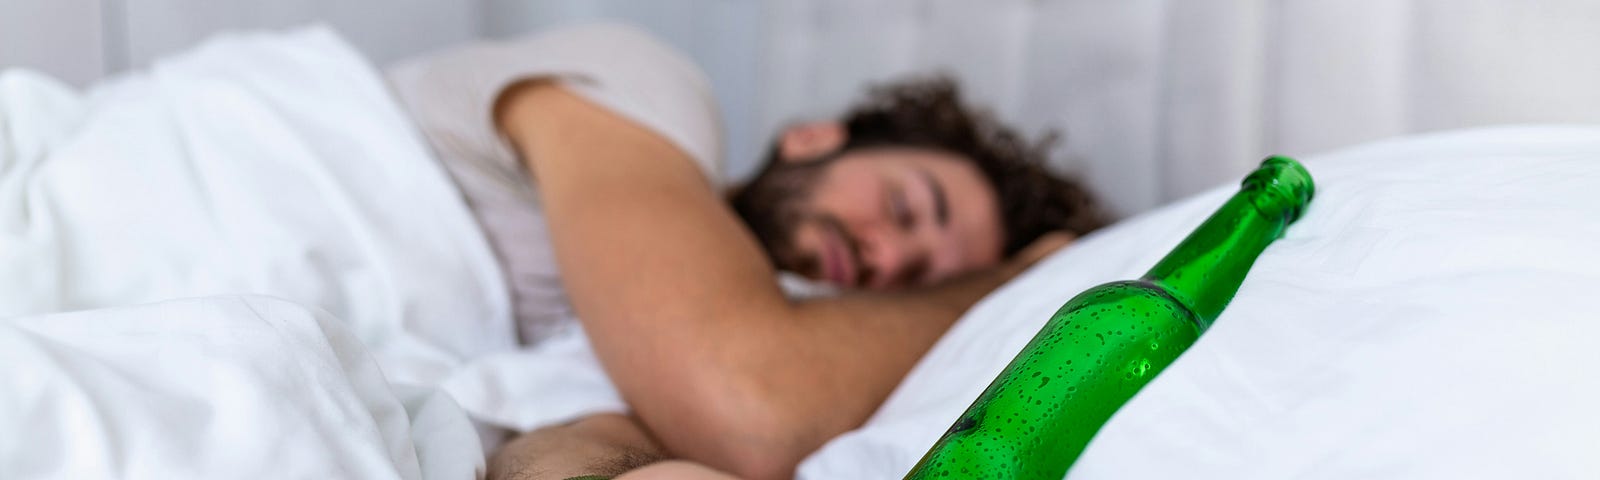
(675, 470)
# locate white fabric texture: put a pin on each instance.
(452, 95)
(220, 387)
(259, 164)
(275, 164)
(272, 164)
(1430, 316)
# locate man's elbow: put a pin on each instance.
(759, 466)
(748, 435)
(766, 459)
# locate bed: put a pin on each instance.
(243, 263)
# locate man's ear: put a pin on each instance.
(809, 140)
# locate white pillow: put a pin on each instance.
(1431, 316)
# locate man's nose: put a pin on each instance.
(886, 254)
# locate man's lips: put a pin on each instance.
(836, 265)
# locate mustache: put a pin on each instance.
(810, 263)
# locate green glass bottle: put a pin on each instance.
(1105, 344)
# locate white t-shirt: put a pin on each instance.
(451, 96)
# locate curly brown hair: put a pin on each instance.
(927, 113)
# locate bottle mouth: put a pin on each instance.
(1286, 185)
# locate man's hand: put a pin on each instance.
(676, 470)
(604, 445)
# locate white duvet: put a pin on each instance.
(1433, 315)
(256, 164)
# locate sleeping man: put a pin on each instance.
(589, 157)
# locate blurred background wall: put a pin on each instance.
(1155, 99)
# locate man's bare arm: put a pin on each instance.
(681, 305)
(611, 444)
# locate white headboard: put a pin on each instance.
(1156, 99)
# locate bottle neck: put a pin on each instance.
(1205, 270)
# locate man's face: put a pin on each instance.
(883, 218)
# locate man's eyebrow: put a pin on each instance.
(941, 205)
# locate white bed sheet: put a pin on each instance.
(1431, 316)
(219, 387)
